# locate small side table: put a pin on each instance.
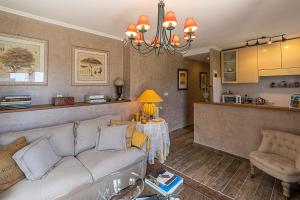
(158, 132)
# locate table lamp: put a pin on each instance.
(149, 97)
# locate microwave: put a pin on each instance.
(231, 98)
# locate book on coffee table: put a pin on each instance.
(165, 182)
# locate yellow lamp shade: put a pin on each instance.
(149, 96)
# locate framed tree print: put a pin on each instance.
(182, 79)
(90, 66)
(23, 60)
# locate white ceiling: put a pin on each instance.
(222, 23)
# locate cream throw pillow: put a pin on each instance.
(130, 129)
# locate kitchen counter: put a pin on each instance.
(236, 128)
(270, 107)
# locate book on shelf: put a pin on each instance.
(15, 102)
(13, 107)
(17, 97)
(164, 181)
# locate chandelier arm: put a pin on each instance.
(146, 43)
(139, 47)
(187, 45)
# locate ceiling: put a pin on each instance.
(222, 23)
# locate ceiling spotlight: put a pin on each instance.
(270, 41)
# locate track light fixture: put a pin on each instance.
(262, 40)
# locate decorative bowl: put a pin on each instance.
(121, 186)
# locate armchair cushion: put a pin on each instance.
(280, 143)
(275, 165)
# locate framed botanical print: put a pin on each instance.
(90, 66)
(23, 60)
(182, 79)
(203, 80)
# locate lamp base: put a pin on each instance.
(149, 109)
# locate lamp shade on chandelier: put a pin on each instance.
(164, 38)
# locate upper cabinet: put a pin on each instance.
(240, 65)
(229, 66)
(291, 53)
(247, 69)
(269, 56)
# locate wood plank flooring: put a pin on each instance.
(225, 174)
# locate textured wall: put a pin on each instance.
(236, 130)
(61, 41)
(160, 73)
(215, 82)
(42, 118)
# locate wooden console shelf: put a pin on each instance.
(50, 106)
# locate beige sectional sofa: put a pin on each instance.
(79, 174)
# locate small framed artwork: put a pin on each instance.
(90, 66)
(182, 79)
(23, 60)
(203, 80)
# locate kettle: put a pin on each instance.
(260, 101)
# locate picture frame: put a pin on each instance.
(203, 80)
(89, 66)
(23, 61)
(182, 79)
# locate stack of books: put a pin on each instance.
(295, 101)
(15, 102)
(94, 99)
(164, 181)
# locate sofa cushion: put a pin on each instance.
(276, 165)
(61, 137)
(112, 138)
(87, 131)
(102, 163)
(68, 176)
(36, 159)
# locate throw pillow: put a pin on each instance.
(139, 139)
(112, 138)
(130, 129)
(36, 159)
(10, 173)
(87, 131)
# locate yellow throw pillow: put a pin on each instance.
(139, 139)
(10, 173)
(130, 129)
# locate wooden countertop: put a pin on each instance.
(268, 107)
(50, 106)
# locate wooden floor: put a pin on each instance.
(224, 173)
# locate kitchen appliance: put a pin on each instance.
(295, 101)
(231, 98)
(260, 101)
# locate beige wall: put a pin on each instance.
(61, 41)
(139, 73)
(160, 73)
(236, 130)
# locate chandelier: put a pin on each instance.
(163, 39)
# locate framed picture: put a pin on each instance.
(23, 61)
(182, 79)
(203, 80)
(89, 66)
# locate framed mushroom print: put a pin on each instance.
(23, 60)
(90, 66)
(182, 79)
